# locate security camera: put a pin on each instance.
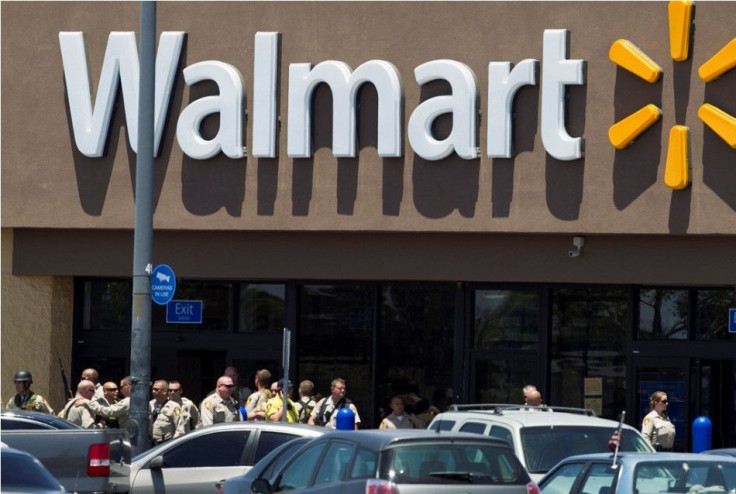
(577, 247)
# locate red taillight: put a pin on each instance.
(99, 460)
(377, 486)
(531, 488)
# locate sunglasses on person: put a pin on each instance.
(227, 385)
(662, 401)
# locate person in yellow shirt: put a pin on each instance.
(275, 406)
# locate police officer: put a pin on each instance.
(275, 406)
(306, 403)
(24, 398)
(220, 407)
(81, 415)
(189, 410)
(324, 412)
(255, 405)
(656, 426)
(166, 414)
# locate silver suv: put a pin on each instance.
(541, 436)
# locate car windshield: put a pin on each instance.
(23, 474)
(546, 446)
(452, 463)
(684, 477)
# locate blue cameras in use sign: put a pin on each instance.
(184, 312)
(163, 284)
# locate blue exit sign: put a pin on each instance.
(732, 320)
(184, 312)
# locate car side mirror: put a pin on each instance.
(261, 486)
(157, 463)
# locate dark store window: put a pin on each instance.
(587, 343)
(507, 319)
(262, 308)
(663, 314)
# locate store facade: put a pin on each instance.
(444, 194)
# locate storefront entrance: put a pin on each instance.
(601, 347)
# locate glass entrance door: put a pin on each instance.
(500, 379)
(670, 375)
(715, 398)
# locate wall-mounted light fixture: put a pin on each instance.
(577, 247)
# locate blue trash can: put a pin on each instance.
(702, 434)
(345, 419)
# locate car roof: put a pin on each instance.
(378, 439)
(636, 457)
(44, 418)
(297, 429)
(527, 417)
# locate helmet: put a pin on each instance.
(23, 375)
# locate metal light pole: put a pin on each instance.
(140, 342)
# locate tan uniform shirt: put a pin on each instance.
(117, 410)
(256, 402)
(393, 421)
(329, 409)
(190, 415)
(78, 415)
(215, 410)
(34, 403)
(658, 430)
(165, 424)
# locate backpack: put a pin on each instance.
(323, 418)
(305, 409)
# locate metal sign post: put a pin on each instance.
(286, 354)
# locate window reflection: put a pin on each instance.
(506, 318)
(712, 314)
(588, 341)
(261, 308)
(663, 314)
(107, 304)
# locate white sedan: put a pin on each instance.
(198, 461)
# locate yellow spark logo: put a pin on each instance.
(627, 56)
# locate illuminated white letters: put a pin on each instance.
(121, 63)
(121, 67)
(503, 83)
(557, 72)
(265, 75)
(344, 85)
(461, 103)
(228, 103)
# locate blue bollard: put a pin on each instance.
(702, 432)
(345, 419)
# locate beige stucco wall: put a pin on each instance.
(36, 330)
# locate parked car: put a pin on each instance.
(399, 461)
(22, 473)
(267, 468)
(197, 461)
(84, 461)
(540, 436)
(721, 451)
(25, 420)
(642, 473)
